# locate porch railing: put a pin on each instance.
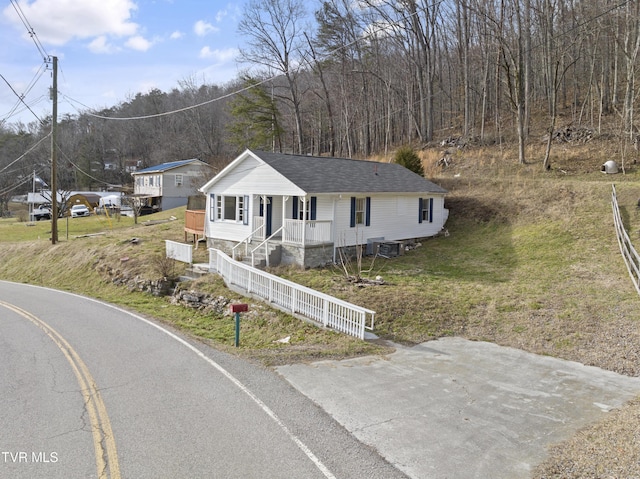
(258, 233)
(307, 232)
(265, 246)
(324, 309)
(258, 224)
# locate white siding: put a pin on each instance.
(256, 177)
(392, 218)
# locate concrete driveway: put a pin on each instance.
(454, 408)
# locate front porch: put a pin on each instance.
(308, 243)
(295, 232)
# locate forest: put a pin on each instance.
(357, 79)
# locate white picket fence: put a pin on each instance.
(322, 308)
(629, 253)
(179, 251)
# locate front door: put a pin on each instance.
(269, 216)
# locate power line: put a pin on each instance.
(82, 171)
(21, 97)
(14, 187)
(241, 90)
(30, 30)
(25, 153)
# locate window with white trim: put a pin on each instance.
(425, 207)
(360, 210)
(179, 180)
(304, 209)
(232, 208)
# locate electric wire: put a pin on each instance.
(25, 153)
(80, 170)
(30, 30)
(20, 97)
(241, 90)
(14, 187)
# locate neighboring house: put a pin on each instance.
(169, 185)
(309, 207)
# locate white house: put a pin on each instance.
(169, 185)
(301, 209)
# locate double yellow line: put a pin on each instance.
(103, 440)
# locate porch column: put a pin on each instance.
(284, 216)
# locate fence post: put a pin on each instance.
(294, 298)
(325, 312)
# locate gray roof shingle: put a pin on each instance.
(317, 174)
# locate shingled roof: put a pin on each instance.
(317, 174)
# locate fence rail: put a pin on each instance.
(324, 309)
(629, 253)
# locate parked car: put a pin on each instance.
(79, 210)
(41, 213)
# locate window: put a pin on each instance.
(425, 210)
(304, 209)
(151, 181)
(360, 204)
(360, 211)
(309, 206)
(232, 208)
(241, 212)
(179, 180)
(212, 207)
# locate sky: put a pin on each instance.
(109, 50)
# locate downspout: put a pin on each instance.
(333, 227)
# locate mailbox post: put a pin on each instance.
(237, 309)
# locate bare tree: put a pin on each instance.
(274, 32)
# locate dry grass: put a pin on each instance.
(531, 261)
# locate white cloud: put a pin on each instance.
(202, 28)
(138, 43)
(57, 22)
(219, 56)
(220, 15)
(176, 35)
(101, 45)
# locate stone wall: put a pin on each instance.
(309, 257)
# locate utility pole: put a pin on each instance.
(54, 154)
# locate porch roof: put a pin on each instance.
(317, 174)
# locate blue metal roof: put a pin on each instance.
(165, 166)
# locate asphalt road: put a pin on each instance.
(90, 390)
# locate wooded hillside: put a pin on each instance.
(354, 79)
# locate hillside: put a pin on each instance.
(530, 260)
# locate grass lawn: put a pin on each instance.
(530, 260)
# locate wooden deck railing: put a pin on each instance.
(194, 221)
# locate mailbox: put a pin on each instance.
(239, 308)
